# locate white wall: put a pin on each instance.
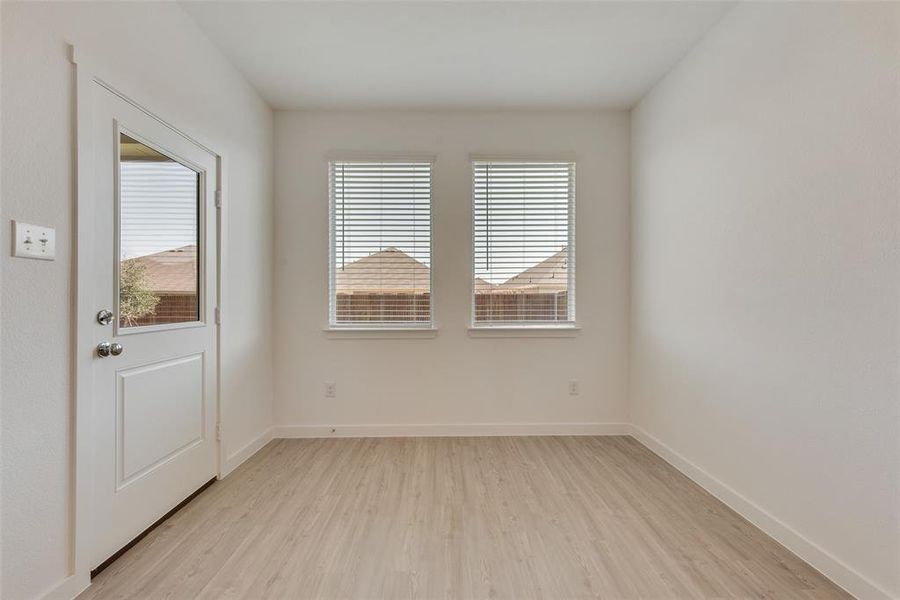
(765, 275)
(452, 379)
(157, 55)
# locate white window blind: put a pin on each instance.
(524, 230)
(380, 257)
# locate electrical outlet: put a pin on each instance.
(34, 241)
(574, 388)
(330, 390)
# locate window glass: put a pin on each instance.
(159, 236)
(523, 243)
(380, 243)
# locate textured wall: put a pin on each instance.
(452, 378)
(765, 266)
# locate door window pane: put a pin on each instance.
(159, 208)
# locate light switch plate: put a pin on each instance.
(34, 241)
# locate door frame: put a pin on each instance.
(89, 73)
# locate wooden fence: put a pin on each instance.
(489, 306)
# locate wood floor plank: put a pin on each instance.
(433, 518)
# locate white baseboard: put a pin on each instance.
(237, 458)
(816, 556)
(68, 588)
(450, 430)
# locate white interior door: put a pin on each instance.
(154, 368)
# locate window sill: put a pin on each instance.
(379, 333)
(525, 331)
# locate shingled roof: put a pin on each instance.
(172, 271)
(388, 271)
(549, 275)
(395, 272)
(483, 285)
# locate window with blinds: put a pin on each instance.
(380, 257)
(524, 230)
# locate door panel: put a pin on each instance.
(153, 267)
(161, 408)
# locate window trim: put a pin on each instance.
(202, 318)
(568, 328)
(379, 333)
(362, 329)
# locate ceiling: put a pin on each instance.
(454, 55)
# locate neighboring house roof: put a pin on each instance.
(483, 285)
(393, 271)
(171, 272)
(549, 275)
(387, 271)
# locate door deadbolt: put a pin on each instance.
(104, 317)
(105, 349)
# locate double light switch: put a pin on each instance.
(34, 241)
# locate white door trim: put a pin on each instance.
(87, 74)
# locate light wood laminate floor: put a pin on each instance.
(526, 517)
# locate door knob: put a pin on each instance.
(105, 349)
